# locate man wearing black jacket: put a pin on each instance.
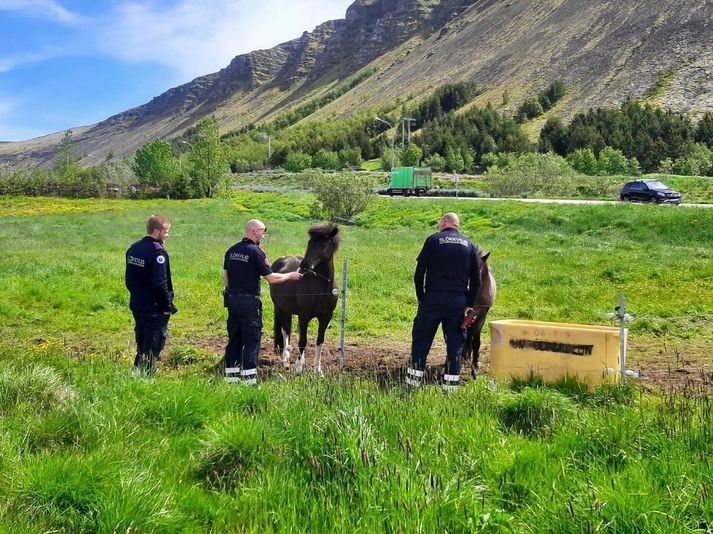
(148, 279)
(450, 264)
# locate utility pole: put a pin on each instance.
(407, 121)
(393, 140)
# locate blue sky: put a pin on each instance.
(68, 63)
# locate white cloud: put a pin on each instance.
(196, 38)
(7, 63)
(42, 9)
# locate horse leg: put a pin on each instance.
(476, 330)
(283, 329)
(302, 343)
(323, 324)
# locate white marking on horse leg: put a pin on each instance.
(287, 350)
(299, 363)
(318, 360)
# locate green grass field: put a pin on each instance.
(84, 448)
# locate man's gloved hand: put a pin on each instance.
(173, 309)
(468, 320)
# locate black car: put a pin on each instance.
(649, 191)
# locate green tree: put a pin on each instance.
(207, 158)
(436, 162)
(454, 160)
(350, 157)
(326, 159)
(612, 161)
(411, 155)
(529, 109)
(704, 131)
(696, 161)
(67, 159)
(386, 158)
(340, 196)
(156, 167)
(297, 162)
(553, 137)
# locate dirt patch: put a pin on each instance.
(661, 366)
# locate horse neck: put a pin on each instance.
(486, 292)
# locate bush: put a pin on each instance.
(326, 159)
(532, 174)
(697, 161)
(612, 161)
(386, 158)
(412, 155)
(436, 162)
(297, 162)
(340, 196)
(529, 109)
(584, 161)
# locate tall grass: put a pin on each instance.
(347, 454)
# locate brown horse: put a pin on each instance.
(315, 295)
(483, 302)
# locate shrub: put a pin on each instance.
(436, 162)
(340, 196)
(326, 159)
(529, 109)
(612, 161)
(412, 155)
(531, 174)
(696, 161)
(386, 158)
(297, 162)
(584, 161)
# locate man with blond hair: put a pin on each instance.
(243, 265)
(148, 279)
(450, 264)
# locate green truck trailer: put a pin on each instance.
(409, 181)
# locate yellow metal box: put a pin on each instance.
(553, 350)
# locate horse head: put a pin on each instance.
(323, 243)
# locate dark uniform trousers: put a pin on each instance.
(151, 330)
(244, 333)
(433, 310)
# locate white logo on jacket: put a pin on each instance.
(237, 256)
(161, 260)
(139, 262)
(452, 240)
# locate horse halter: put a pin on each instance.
(311, 271)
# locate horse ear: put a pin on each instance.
(485, 258)
(334, 231)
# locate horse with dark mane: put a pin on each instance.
(314, 296)
(483, 302)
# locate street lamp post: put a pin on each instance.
(393, 140)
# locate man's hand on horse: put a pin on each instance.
(295, 275)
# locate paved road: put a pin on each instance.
(542, 200)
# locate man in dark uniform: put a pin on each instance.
(148, 279)
(450, 263)
(244, 264)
